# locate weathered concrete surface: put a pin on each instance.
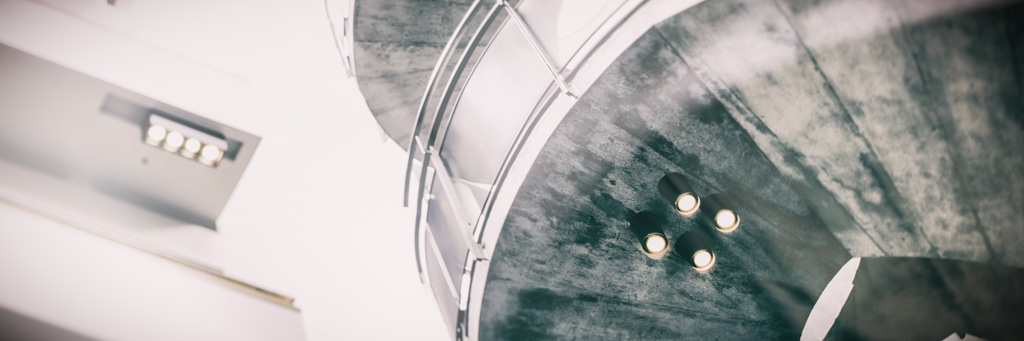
(397, 44)
(567, 239)
(863, 128)
(924, 154)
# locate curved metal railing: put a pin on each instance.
(446, 55)
(442, 94)
(436, 99)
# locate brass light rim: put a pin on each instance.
(705, 267)
(648, 237)
(730, 228)
(695, 208)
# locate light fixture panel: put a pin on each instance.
(108, 141)
(187, 141)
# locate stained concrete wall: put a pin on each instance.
(396, 45)
(841, 128)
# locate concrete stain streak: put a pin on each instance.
(925, 96)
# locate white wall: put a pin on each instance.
(101, 289)
(320, 202)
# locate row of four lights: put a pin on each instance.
(184, 140)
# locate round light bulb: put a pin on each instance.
(174, 140)
(211, 152)
(192, 145)
(726, 220)
(687, 203)
(156, 133)
(703, 260)
(656, 243)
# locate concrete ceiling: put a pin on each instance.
(396, 45)
(840, 128)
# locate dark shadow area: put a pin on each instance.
(929, 299)
(15, 326)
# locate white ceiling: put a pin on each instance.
(321, 199)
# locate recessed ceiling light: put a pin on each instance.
(192, 146)
(724, 216)
(155, 135)
(210, 155)
(174, 141)
(656, 243)
(695, 246)
(687, 203)
(647, 229)
(675, 188)
(703, 260)
(727, 220)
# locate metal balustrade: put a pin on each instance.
(455, 191)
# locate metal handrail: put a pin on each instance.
(430, 149)
(524, 131)
(417, 238)
(469, 236)
(559, 83)
(446, 54)
(436, 124)
(528, 125)
(414, 142)
(457, 209)
(544, 58)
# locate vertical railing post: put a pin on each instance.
(532, 39)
